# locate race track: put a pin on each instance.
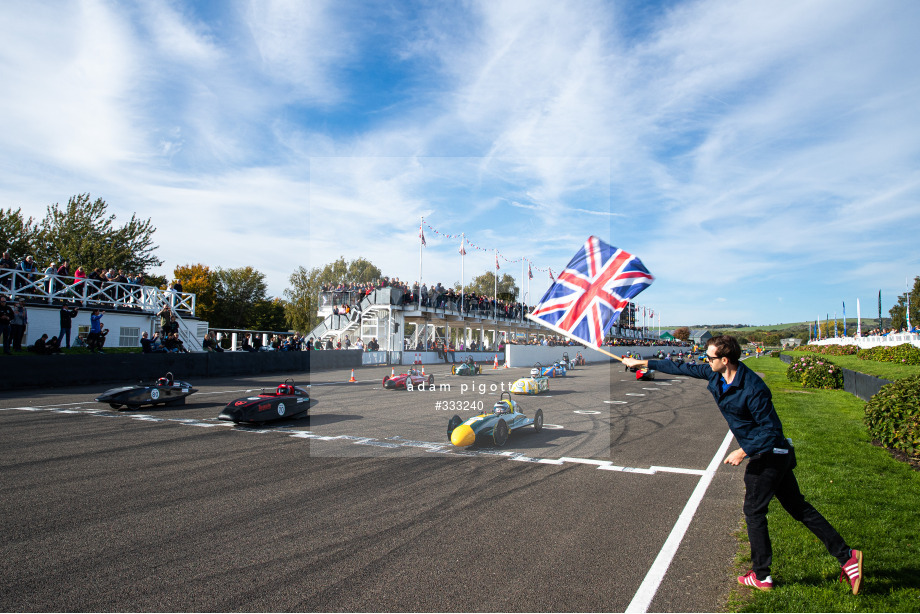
(365, 505)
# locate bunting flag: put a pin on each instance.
(591, 292)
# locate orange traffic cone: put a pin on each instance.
(507, 366)
(392, 371)
(495, 364)
(352, 380)
(423, 369)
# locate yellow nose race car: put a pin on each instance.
(506, 416)
(535, 384)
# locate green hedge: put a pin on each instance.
(830, 350)
(905, 354)
(893, 415)
(815, 372)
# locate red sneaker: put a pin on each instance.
(750, 579)
(852, 570)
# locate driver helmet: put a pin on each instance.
(162, 382)
(285, 389)
(501, 408)
(535, 372)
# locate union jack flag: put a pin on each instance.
(590, 293)
(421, 233)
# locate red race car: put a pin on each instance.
(286, 401)
(413, 377)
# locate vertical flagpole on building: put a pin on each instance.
(462, 254)
(844, 318)
(521, 291)
(421, 243)
(495, 295)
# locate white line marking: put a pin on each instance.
(389, 442)
(634, 394)
(585, 411)
(616, 402)
(643, 597)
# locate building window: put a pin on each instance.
(130, 337)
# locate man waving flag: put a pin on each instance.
(590, 293)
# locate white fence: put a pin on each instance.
(872, 340)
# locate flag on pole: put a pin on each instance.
(858, 321)
(496, 261)
(462, 251)
(421, 233)
(529, 273)
(591, 292)
(551, 278)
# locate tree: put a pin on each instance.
(898, 312)
(268, 314)
(237, 292)
(301, 306)
(202, 282)
(18, 235)
(82, 233)
(485, 285)
(682, 333)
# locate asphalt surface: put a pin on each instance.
(365, 506)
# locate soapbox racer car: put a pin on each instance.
(165, 391)
(535, 384)
(286, 401)
(467, 367)
(557, 369)
(643, 374)
(506, 416)
(414, 376)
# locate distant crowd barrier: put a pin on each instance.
(872, 341)
(74, 370)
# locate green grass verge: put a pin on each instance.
(872, 500)
(885, 370)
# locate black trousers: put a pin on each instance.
(771, 475)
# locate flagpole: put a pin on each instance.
(420, 245)
(495, 295)
(462, 254)
(521, 298)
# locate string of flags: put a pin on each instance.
(465, 241)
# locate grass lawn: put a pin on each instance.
(885, 370)
(871, 499)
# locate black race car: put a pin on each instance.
(165, 391)
(286, 401)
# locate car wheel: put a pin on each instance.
(133, 406)
(385, 380)
(452, 424)
(538, 420)
(114, 405)
(430, 380)
(500, 433)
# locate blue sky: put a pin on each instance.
(762, 158)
